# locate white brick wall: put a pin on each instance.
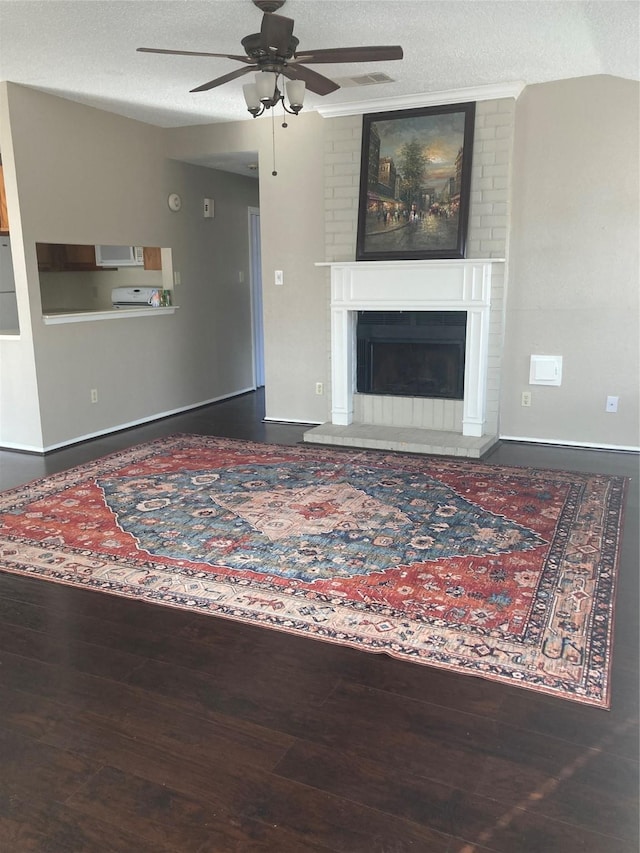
(488, 234)
(343, 138)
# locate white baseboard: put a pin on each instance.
(291, 421)
(585, 445)
(25, 448)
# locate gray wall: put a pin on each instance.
(572, 278)
(555, 190)
(86, 176)
(568, 225)
(573, 272)
(292, 227)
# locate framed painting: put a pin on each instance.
(415, 180)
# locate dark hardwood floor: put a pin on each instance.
(131, 727)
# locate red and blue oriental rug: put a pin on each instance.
(504, 573)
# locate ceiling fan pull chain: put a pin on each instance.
(273, 141)
(284, 111)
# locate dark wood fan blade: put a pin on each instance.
(275, 33)
(193, 53)
(224, 79)
(379, 53)
(315, 82)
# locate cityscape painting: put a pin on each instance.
(415, 179)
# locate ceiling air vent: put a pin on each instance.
(365, 80)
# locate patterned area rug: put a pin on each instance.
(504, 573)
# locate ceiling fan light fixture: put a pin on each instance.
(266, 87)
(265, 94)
(251, 97)
(295, 94)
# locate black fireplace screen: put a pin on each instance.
(411, 353)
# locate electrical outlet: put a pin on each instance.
(612, 404)
(279, 277)
(526, 398)
(319, 388)
(94, 395)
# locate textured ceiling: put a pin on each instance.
(86, 49)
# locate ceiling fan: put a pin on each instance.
(275, 49)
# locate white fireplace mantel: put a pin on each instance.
(430, 285)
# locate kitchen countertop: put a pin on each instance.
(51, 318)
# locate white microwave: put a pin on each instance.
(119, 256)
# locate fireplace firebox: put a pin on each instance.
(411, 353)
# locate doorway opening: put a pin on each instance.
(255, 272)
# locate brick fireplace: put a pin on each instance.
(419, 423)
(466, 427)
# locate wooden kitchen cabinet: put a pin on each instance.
(65, 257)
(4, 218)
(152, 258)
(80, 258)
(50, 256)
